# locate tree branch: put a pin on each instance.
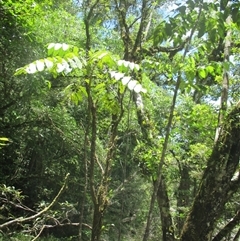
(172, 50)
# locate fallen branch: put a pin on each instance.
(59, 225)
(22, 220)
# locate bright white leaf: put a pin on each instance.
(66, 66)
(125, 63)
(143, 90)
(132, 84)
(65, 46)
(51, 45)
(120, 62)
(72, 63)
(78, 62)
(65, 63)
(131, 65)
(118, 76)
(112, 74)
(31, 69)
(60, 67)
(40, 65)
(138, 88)
(57, 46)
(67, 70)
(139, 101)
(48, 63)
(137, 67)
(125, 80)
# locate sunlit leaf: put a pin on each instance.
(136, 66)
(78, 62)
(118, 76)
(4, 139)
(49, 84)
(102, 55)
(40, 65)
(60, 67)
(72, 63)
(112, 73)
(57, 46)
(125, 80)
(51, 45)
(202, 73)
(210, 69)
(132, 84)
(131, 65)
(138, 88)
(125, 63)
(120, 62)
(48, 63)
(65, 46)
(31, 68)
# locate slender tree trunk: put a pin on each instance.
(225, 81)
(183, 196)
(97, 222)
(82, 201)
(164, 207)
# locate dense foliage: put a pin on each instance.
(119, 120)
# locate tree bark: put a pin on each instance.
(228, 228)
(236, 238)
(216, 186)
(183, 196)
(97, 222)
(225, 81)
(164, 207)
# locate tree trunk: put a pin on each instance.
(97, 223)
(216, 186)
(183, 196)
(164, 207)
(236, 238)
(228, 228)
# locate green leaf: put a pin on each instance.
(226, 65)
(202, 29)
(202, 73)
(100, 86)
(4, 139)
(49, 84)
(168, 29)
(235, 15)
(182, 9)
(210, 69)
